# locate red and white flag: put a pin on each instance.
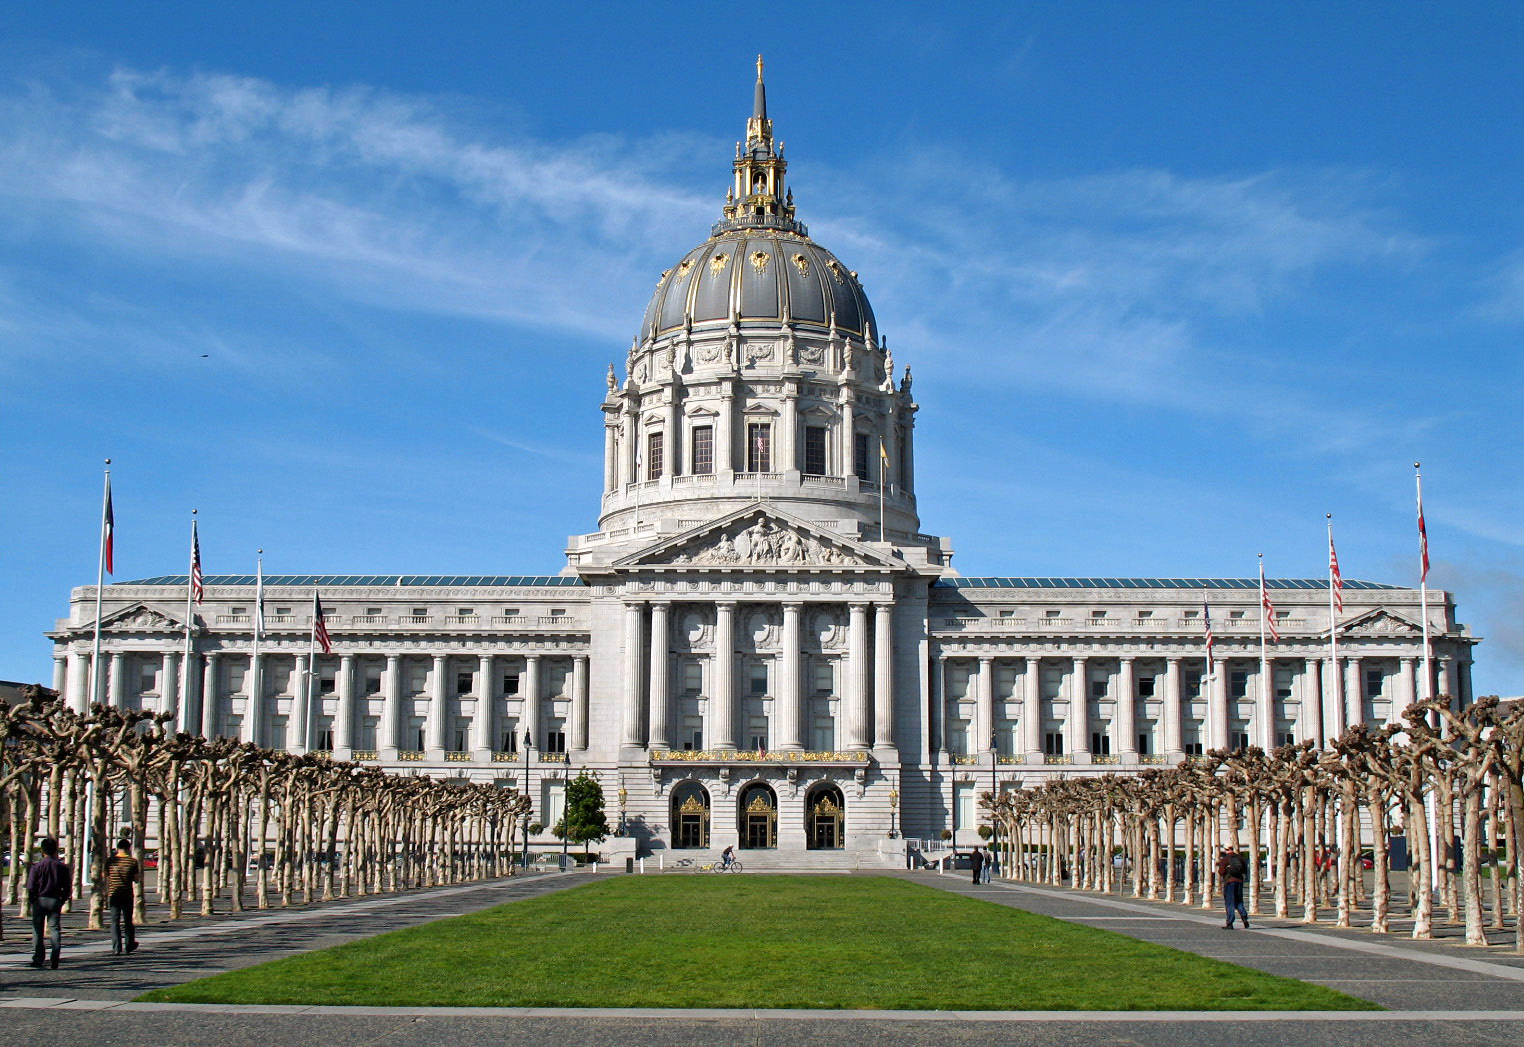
(319, 627)
(197, 585)
(1335, 579)
(1423, 538)
(1206, 617)
(108, 527)
(1264, 600)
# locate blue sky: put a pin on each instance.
(1175, 279)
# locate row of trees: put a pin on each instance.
(1301, 816)
(224, 812)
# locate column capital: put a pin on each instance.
(1174, 659)
(986, 659)
(857, 606)
(532, 657)
(580, 657)
(393, 659)
(726, 605)
(1127, 659)
(793, 606)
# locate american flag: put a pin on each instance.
(1206, 619)
(198, 587)
(108, 527)
(1264, 599)
(1335, 579)
(1423, 539)
(320, 627)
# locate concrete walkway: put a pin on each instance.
(1438, 993)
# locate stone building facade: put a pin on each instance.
(758, 646)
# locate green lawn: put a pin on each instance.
(759, 941)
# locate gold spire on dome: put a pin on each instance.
(759, 196)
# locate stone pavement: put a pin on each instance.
(1440, 994)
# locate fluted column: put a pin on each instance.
(1217, 706)
(211, 694)
(79, 681)
(1079, 710)
(1310, 727)
(1354, 693)
(610, 454)
(1174, 712)
(169, 687)
(857, 678)
(1333, 698)
(661, 678)
(254, 706)
(939, 701)
(631, 438)
(724, 430)
(344, 715)
(579, 702)
(296, 731)
(1264, 705)
(722, 702)
(1406, 690)
(116, 686)
(883, 676)
(391, 707)
(1127, 709)
(789, 714)
(60, 672)
(848, 438)
(634, 664)
(1031, 709)
(984, 706)
(531, 693)
(788, 428)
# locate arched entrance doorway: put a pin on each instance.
(759, 816)
(825, 819)
(690, 816)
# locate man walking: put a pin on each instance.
(122, 872)
(976, 862)
(1232, 870)
(48, 884)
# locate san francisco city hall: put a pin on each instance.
(740, 651)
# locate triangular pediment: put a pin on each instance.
(1380, 623)
(759, 536)
(141, 619)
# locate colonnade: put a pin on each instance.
(866, 691)
(1329, 699)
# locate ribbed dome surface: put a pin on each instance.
(757, 274)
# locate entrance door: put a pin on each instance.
(691, 819)
(759, 817)
(825, 820)
(759, 830)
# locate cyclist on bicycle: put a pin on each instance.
(727, 856)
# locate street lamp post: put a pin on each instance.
(894, 810)
(528, 741)
(994, 792)
(623, 796)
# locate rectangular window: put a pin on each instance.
(1145, 743)
(693, 678)
(1100, 743)
(324, 736)
(693, 734)
(1146, 686)
(965, 805)
(1283, 684)
(459, 736)
(1238, 684)
(1236, 615)
(1193, 679)
(326, 682)
(1285, 738)
(1052, 612)
(417, 679)
(759, 447)
(366, 736)
(418, 735)
(1099, 689)
(466, 612)
(372, 611)
(1053, 743)
(148, 681)
(1193, 749)
(758, 733)
(509, 743)
(1375, 682)
(1238, 740)
(510, 683)
(860, 458)
(373, 681)
(703, 449)
(278, 734)
(653, 456)
(758, 679)
(957, 737)
(825, 680)
(814, 450)
(463, 682)
(555, 740)
(823, 734)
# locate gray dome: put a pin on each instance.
(758, 274)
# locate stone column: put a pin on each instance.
(211, 696)
(788, 429)
(531, 690)
(434, 728)
(1354, 693)
(1264, 705)
(789, 714)
(1174, 712)
(116, 686)
(254, 706)
(344, 715)
(610, 454)
(883, 676)
(1217, 706)
(724, 430)
(857, 678)
(296, 729)
(938, 711)
(1333, 698)
(1127, 709)
(984, 706)
(634, 663)
(579, 738)
(1310, 727)
(60, 672)
(169, 688)
(676, 464)
(1406, 690)
(1031, 709)
(631, 437)
(660, 688)
(1079, 710)
(1449, 682)
(391, 708)
(483, 722)
(79, 681)
(722, 671)
(848, 438)
(907, 465)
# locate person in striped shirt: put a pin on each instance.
(122, 873)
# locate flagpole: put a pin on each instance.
(256, 687)
(1423, 587)
(100, 582)
(1337, 677)
(190, 610)
(1267, 708)
(311, 674)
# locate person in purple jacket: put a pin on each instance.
(48, 884)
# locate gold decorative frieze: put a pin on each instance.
(499, 757)
(410, 756)
(1013, 758)
(1061, 759)
(754, 756)
(457, 757)
(965, 759)
(364, 755)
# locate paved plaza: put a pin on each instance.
(1436, 993)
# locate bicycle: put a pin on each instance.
(721, 867)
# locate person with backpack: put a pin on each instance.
(1232, 870)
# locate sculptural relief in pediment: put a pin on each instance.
(763, 542)
(142, 619)
(1381, 623)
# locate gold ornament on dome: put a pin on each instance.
(682, 270)
(802, 264)
(760, 805)
(759, 260)
(836, 272)
(717, 263)
(693, 805)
